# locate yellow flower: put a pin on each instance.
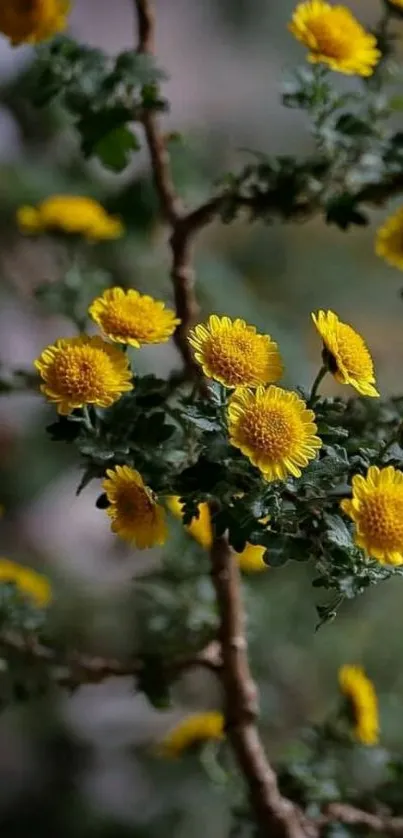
(389, 240)
(346, 353)
(376, 508)
(251, 559)
(133, 318)
(334, 37)
(233, 353)
(274, 429)
(71, 214)
(362, 703)
(196, 729)
(135, 514)
(32, 21)
(30, 584)
(83, 370)
(199, 528)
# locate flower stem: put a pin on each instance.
(316, 384)
(87, 419)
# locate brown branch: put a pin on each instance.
(182, 273)
(277, 816)
(350, 816)
(78, 669)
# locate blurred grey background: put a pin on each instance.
(82, 765)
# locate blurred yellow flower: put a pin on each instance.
(376, 508)
(250, 560)
(32, 21)
(83, 370)
(346, 353)
(389, 239)
(194, 730)
(200, 528)
(362, 703)
(334, 37)
(71, 214)
(30, 584)
(231, 352)
(136, 516)
(132, 318)
(275, 429)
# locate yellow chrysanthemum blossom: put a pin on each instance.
(136, 516)
(199, 528)
(231, 352)
(334, 37)
(83, 370)
(376, 508)
(362, 703)
(30, 584)
(346, 353)
(389, 240)
(70, 214)
(196, 729)
(275, 429)
(250, 560)
(132, 318)
(32, 21)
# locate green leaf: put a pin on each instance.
(351, 125)
(114, 150)
(342, 211)
(338, 533)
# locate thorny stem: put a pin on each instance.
(276, 816)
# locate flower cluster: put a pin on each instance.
(32, 21)
(85, 371)
(272, 426)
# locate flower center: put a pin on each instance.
(236, 357)
(81, 373)
(381, 518)
(353, 353)
(271, 430)
(335, 36)
(133, 504)
(128, 319)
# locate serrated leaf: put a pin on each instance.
(114, 150)
(338, 533)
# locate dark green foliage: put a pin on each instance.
(102, 95)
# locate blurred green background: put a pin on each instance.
(82, 765)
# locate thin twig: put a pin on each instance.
(350, 816)
(77, 669)
(276, 816)
(183, 276)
